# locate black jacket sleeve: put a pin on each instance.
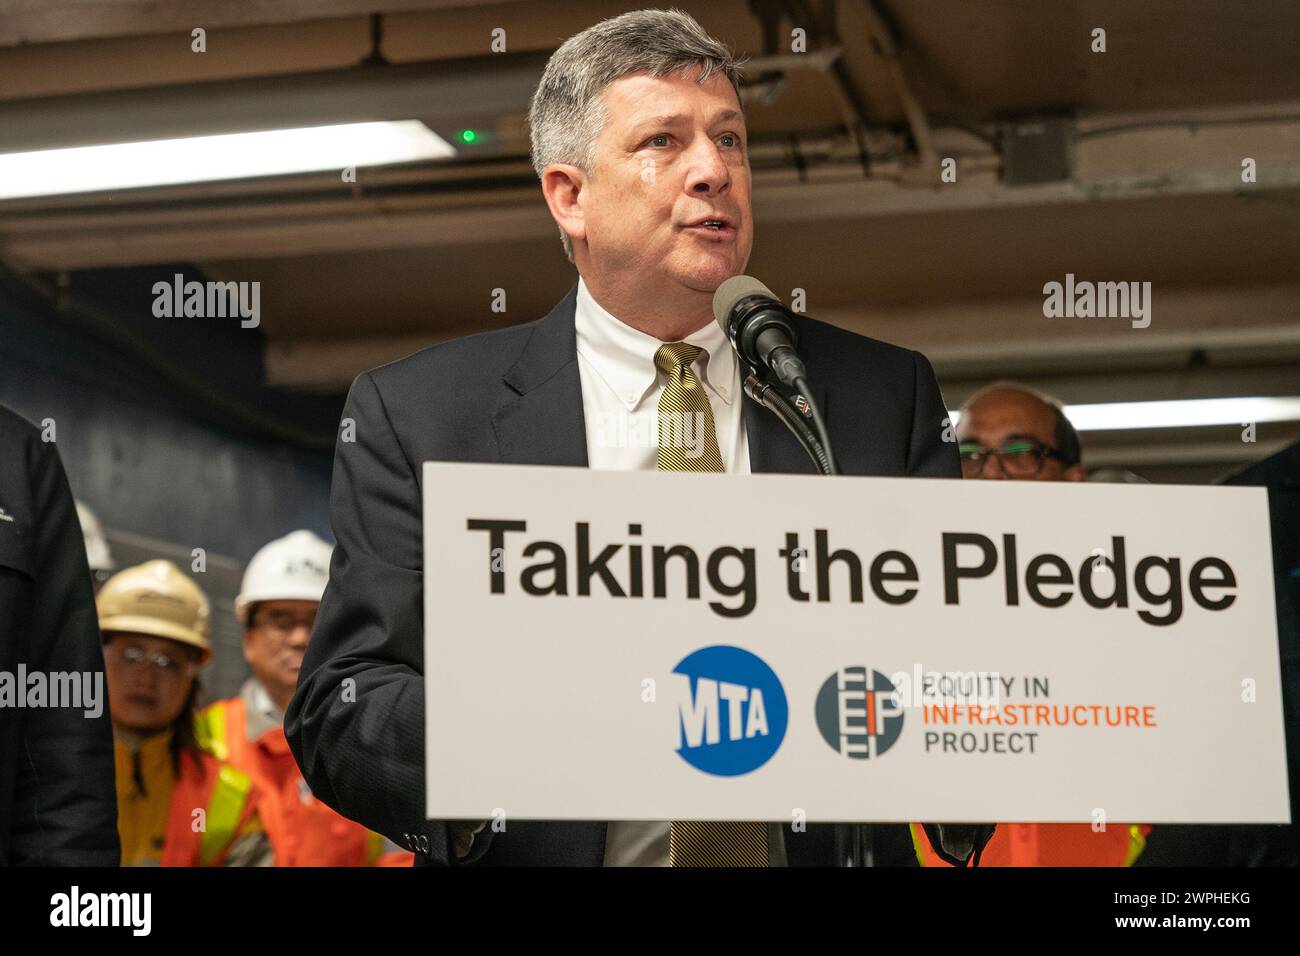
(58, 758)
(932, 451)
(356, 722)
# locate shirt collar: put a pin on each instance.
(623, 357)
(260, 712)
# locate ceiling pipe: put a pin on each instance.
(926, 172)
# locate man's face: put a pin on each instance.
(1002, 417)
(275, 641)
(671, 153)
(149, 679)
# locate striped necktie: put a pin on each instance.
(688, 441)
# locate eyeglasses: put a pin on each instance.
(284, 623)
(134, 658)
(1017, 459)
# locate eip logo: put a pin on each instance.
(859, 713)
(732, 712)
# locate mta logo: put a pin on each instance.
(731, 712)
(858, 712)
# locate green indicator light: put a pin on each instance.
(468, 136)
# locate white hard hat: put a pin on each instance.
(293, 568)
(98, 555)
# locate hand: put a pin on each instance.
(957, 843)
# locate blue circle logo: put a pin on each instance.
(731, 712)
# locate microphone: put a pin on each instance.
(759, 327)
(763, 333)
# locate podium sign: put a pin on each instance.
(657, 646)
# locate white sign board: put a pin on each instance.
(658, 646)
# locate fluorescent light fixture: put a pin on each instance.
(1179, 413)
(194, 159)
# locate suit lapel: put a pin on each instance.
(541, 421)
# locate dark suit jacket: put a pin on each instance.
(515, 396)
(58, 796)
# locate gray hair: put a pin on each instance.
(567, 114)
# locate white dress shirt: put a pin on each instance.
(621, 387)
(620, 400)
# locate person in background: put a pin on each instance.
(178, 803)
(277, 604)
(1011, 431)
(56, 763)
(98, 554)
(1007, 430)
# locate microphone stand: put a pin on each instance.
(854, 842)
(775, 401)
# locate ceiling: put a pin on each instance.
(353, 275)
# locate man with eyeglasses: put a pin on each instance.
(1008, 431)
(277, 604)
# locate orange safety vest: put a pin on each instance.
(1050, 844)
(157, 816)
(302, 830)
(225, 793)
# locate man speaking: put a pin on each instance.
(639, 140)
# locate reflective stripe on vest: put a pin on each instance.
(1137, 842)
(374, 848)
(917, 846)
(224, 812)
(210, 731)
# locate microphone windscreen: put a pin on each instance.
(731, 292)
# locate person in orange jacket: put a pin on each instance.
(178, 803)
(277, 604)
(1012, 432)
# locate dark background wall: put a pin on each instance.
(165, 429)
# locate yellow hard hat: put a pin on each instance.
(157, 599)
